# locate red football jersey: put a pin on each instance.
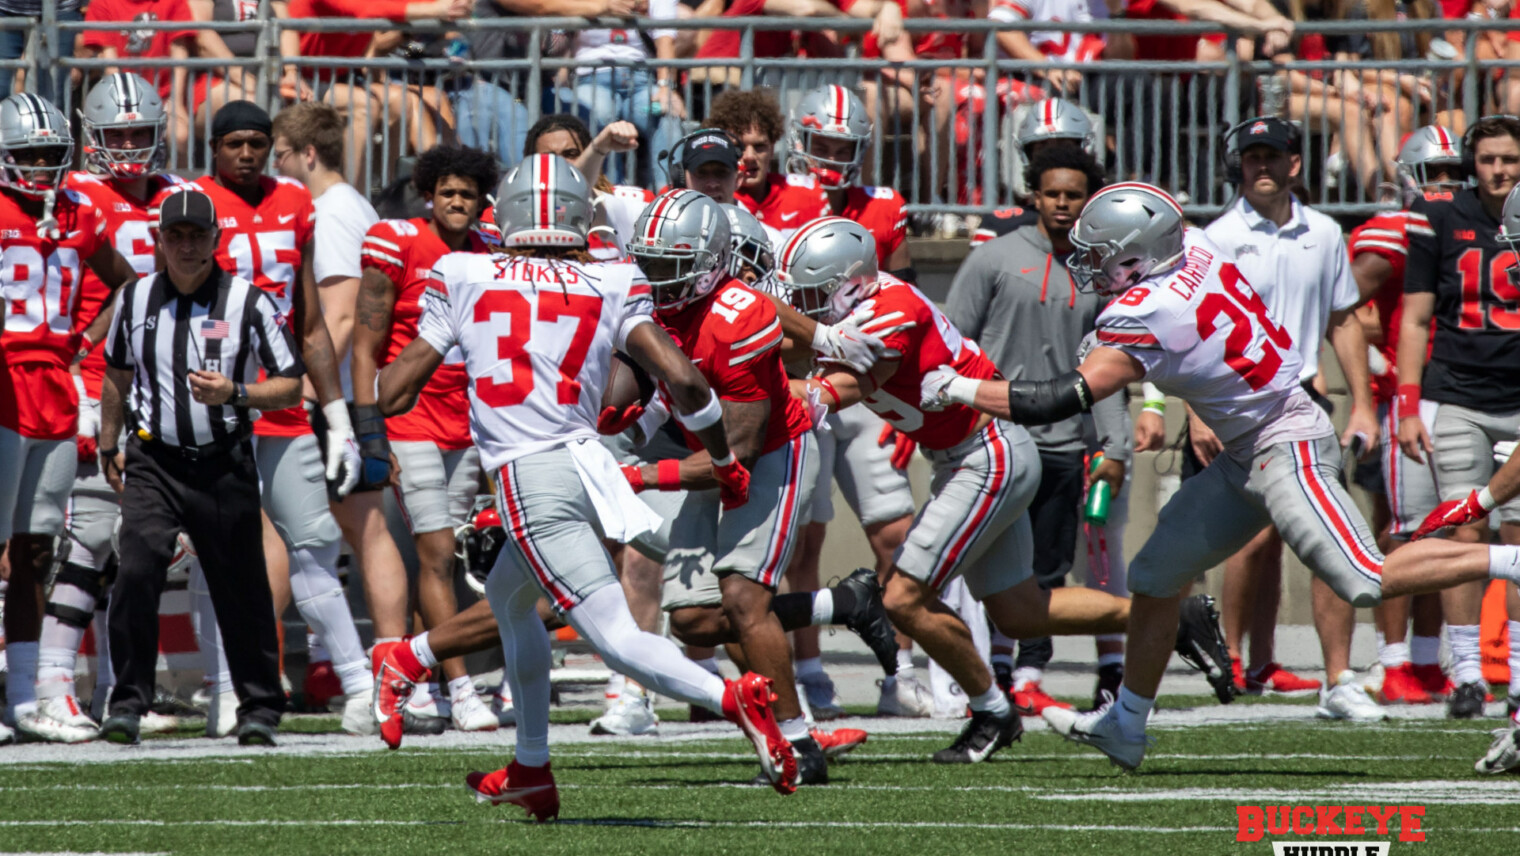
(41, 278)
(405, 251)
(733, 336)
(128, 224)
(931, 342)
(1385, 235)
(790, 201)
(881, 210)
(263, 245)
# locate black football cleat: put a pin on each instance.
(1467, 700)
(1110, 678)
(1200, 644)
(869, 618)
(983, 735)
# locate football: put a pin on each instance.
(626, 383)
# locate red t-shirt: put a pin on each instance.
(725, 43)
(879, 209)
(335, 44)
(130, 43)
(405, 251)
(1184, 48)
(42, 278)
(1387, 235)
(733, 336)
(790, 201)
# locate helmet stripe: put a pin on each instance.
(545, 170)
(841, 104)
(792, 246)
(1049, 109)
(1139, 185)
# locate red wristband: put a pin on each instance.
(1409, 399)
(668, 475)
(635, 477)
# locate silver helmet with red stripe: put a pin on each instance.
(681, 242)
(1125, 233)
(753, 255)
(544, 202)
(828, 266)
(1054, 119)
(36, 145)
(124, 123)
(1427, 151)
(830, 132)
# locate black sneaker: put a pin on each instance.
(982, 736)
(121, 728)
(812, 765)
(1200, 644)
(1466, 701)
(430, 726)
(1110, 678)
(1002, 673)
(869, 618)
(251, 732)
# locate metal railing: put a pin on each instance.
(946, 146)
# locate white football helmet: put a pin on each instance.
(124, 102)
(829, 266)
(1054, 119)
(831, 113)
(544, 202)
(681, 242)
(28, 124)
(1125, 233)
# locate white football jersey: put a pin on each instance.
(537, 337)
(1053, 43)
(1204, 335)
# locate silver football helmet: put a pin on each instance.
(829, 265)
(835, 118)
(544, 202)
(31, 127)
(751, 247)
(1125, 233)
(116, 112)
(1426, 148)
(1054, 119)
(681, 242)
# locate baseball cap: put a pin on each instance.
(1268, 131)
(709, 147)
(187, 206)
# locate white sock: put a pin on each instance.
(316, 652)
(1026, 675)
(55, 671)
(615, 684)
(355, 677)
(814, 666)
(1381, 639)
(1393, 654)
(1504, 562)
(794, 729)
(319, 597)
(993, 701)
(461, 688)
(525, 648)
(823, 607)
(1514, 658)
(904, 662)
(654, 661)
(1425, 650)
(58, 644)
(1466, 653)
(21, 686)
(423, 651)
(1132, 711)
(708, 663)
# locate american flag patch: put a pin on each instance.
(215, 329)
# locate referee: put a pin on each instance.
(189, 463)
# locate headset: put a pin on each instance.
(1470, 157)
(674, 157)
(1233, 172)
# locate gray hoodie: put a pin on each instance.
(1017, 300)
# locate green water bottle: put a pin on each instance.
(1099, 495)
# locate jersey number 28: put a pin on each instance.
(1240, 303)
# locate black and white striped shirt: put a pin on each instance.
(227, 326)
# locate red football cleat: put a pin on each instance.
(1239, 672)
(1402, 686)
(1029, 699)
(838, 742)
(1433, 680)
(320, 685)
(377, 655)
(397, 677)
(530, 787)
(1275, 679)
(747, 703)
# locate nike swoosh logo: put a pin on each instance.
(1025, 270)
(287, 218)
(787, 218)
(1264, 463)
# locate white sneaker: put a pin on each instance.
(221, 716)
(501, 705)
(821, 697)
(1100, 730)
(1348, 700)
(58, 720)
(1503, 754)
(632, 714)
(904, 696)
(424, 705)
(157, 723)
(471, 714)
(357, 718)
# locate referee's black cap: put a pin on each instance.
(187, 206)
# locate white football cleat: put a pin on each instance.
(821, 697)
(424, 704)
(1349, 700)
(632, 714)
(471, 714)
(1503, 754)
(221, 716)
(157, 723)
(57, 720)
(501, 705)
(1100, 730)
(904, 696)
(358, 720)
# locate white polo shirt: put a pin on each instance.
(343, 215)
(1301, 270)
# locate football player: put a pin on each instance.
(986, 472)
(439, 465)
(48, 234)
(1186, 320)
(559, 314)
(1458, 275)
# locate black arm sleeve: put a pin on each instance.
(1042, 402)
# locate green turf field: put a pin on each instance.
(686, 796)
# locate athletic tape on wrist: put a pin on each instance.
(725, 461)
(707, 417)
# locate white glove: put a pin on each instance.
(850, 342)
(817, 410)
(342, 448)
(944, 386)
(89, 411)
(1502, 450)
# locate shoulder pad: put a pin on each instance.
(83, 177)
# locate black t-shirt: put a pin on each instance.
(1475, 362)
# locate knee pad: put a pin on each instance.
(87, 580)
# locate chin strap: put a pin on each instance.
(47, 224)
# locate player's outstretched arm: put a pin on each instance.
(1036, 402)
(402, 381)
